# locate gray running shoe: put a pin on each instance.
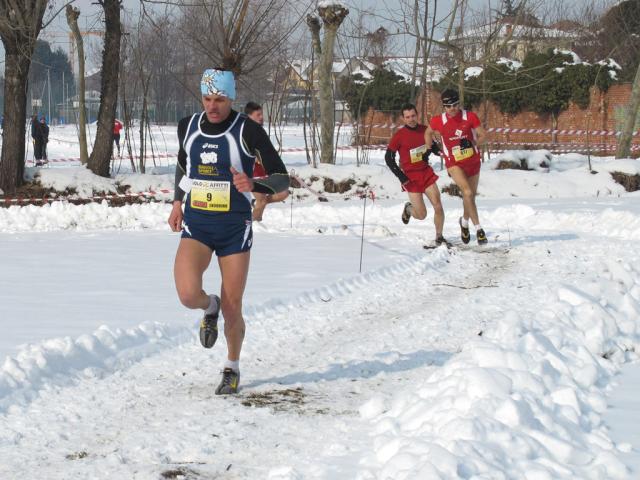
(230, 382)
(481, 237)
(440, 240)
(209, 327)
(465, 236)
(406, 213)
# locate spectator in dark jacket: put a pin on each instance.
(40, 133)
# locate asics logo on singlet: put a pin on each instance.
(208, 157)
(209, 145)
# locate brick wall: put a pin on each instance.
(605, 112)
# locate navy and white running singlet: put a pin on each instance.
(216, 213)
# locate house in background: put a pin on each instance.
(512, 34)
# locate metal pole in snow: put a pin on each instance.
(49, 92)
(291, 226)
(364, 210)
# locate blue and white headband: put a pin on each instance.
(218, 82)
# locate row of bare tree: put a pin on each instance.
(157, 60)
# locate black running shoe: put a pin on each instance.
(464, 232)
(209, 327)
(481, 237)
(406, 213)
(229, 383)
(440, 240)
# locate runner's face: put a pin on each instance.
(452, 110)
(257, 116)
(216, 107)
(410, 118)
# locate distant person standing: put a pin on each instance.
(414, 172)
(461, 133)
(40, 134)
(255, 113)
(44, 135)
(117, 127)
(35, 128)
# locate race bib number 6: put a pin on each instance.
(211, 196)
(460, 154)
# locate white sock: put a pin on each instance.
(213, 305)
(233, 365)
(464, 222)
(478, 227)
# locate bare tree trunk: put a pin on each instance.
(624, 144)
(141, 132)
(20, 25)
(144, 122)
(461, 62)
(332, 16)
(327, 111)
(15, 107)
(72, 21)
(305, 120)
(103, 146)
(416, 53)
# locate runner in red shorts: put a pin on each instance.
(255, 113)
(415, 174)
(461, 133)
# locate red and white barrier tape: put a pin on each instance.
(548, 131)
(169, 155)
(127, 157)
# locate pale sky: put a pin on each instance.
(375, 12)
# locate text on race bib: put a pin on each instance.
(416, 153)
(212, 196)
(460, 154)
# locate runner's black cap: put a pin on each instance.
(450, 97)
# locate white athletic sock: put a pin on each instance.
(233, 365)
(213, 305)
(478, 227)
(464, 222)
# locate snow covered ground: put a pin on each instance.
(499, 362)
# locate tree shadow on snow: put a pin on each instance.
(355, 370)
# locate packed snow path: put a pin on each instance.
(447, 364)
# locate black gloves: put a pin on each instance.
(435, 150)
(466, 143)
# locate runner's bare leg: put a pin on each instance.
(468, 193)
(234, 270)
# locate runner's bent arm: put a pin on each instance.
(257, 141)
(428, 136)
(178, 193)
(481, 137)
(390, 159)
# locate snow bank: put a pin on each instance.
(86, 184)
(80, 179)
(92, 216)
(59, 360)
(525, 400)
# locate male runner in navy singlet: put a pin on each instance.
(214, 179)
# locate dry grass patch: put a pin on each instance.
(631, 183)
